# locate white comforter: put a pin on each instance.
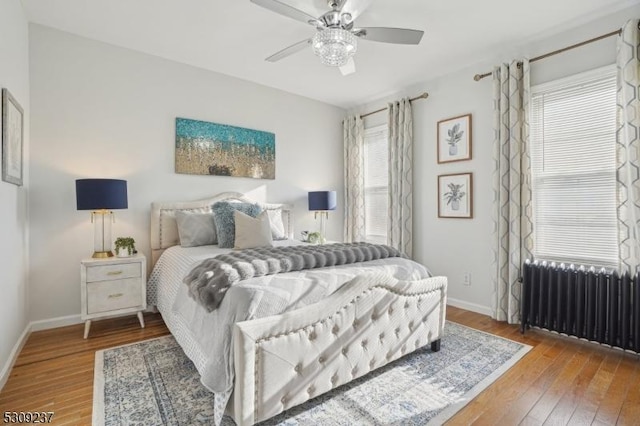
(206, 337)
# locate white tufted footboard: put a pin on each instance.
(284, 360)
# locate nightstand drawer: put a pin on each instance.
(113, 272)
(113, 295)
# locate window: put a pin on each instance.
(376, 184)
(573, 167)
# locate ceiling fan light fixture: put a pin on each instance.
(334, 46)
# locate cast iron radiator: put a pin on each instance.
(599, 306)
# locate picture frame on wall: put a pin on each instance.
(12, 139)
(455, 196)
(454, 139)
(206, 148)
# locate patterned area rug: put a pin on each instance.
(154, 383)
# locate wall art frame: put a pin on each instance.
(206, 148)
(454, 139)
(455, 196)
(12, 139)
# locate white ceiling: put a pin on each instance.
(234, 36)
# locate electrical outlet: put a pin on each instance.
(467, 278)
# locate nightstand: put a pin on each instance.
(113, 286)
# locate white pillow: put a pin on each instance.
(277, 225)
(252, 232)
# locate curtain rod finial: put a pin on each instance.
(477, 77)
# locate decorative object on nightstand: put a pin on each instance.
(125, 246)
(112, 287)
(321, 202)
(101, 196)
(316, 238)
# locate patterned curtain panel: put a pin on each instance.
(513, 225)
(400, 225)
(628, 147)
(353, 134)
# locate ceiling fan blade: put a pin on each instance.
(294, 48)
(390, 35)
(355, 7)
(285, 10)
(348, 68)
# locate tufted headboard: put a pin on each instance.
(164, 230)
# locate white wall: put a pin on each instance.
(452, 247)
(105, 111)
(14, 75)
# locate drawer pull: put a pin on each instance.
(114, 272)
(115, 295)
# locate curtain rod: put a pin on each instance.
(479, 77)
(425, 95)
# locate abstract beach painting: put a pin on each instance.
(204, 148)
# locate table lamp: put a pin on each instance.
(101, 196)
(321, 202)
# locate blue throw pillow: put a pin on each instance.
(225, 223)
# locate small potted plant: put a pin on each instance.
(454, 195)
(315, 238)
(125, 246)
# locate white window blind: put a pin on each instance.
(573, 140)
(376, 183)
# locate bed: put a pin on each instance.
(277, 341)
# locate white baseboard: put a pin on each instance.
(33, 326)
(46, 324)
(13, 356)
(473, 307)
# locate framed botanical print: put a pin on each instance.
(454, 139)
(455, 196)
(12, 139)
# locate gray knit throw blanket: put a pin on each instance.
(209, 281)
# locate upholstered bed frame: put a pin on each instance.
(284, 360)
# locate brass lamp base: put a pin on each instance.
(102, 254)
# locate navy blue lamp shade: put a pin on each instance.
(322, 200)
(99, 194)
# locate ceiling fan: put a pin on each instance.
(336, 38)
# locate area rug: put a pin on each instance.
(154, 383)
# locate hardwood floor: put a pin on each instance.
(54, 371)
(560, 381)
